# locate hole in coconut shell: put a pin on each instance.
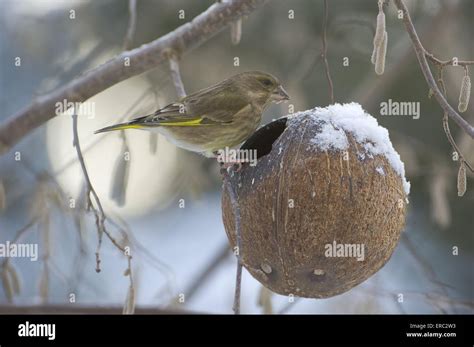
(266, 268)
(263, 139)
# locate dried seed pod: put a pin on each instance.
(236, 31)
(380, 56)
(462, 179)
(44, 284)
(379, 33)
(15, 279)
(380, 28)
(265, 300)
(465, 93)
(7, 285)
(318, 185)
(440, 208)
(374, 55)
(129, 307)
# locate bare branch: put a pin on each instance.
(425, 68)
(140, 59)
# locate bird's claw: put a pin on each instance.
(230, 166)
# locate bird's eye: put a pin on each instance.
(266, 82)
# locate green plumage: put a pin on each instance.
(223, 115)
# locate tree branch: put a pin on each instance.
(421, 55)
(140, 59)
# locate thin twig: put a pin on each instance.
(446, 128)
(325, 50)
(425, 68)
(238, 286)
(450, 62)
(176, 75)
(140, 59)
(99, 211)
(238, 240)
(132, 9)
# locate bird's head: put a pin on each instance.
(262, 86)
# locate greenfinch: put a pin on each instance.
(211, 119)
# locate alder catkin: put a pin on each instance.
(379, 38)
(374, 54)
(380, 56)
(44, 285)
(14, 278)
(462, 179)
(129, 307)
(7, 286)
(236, 31)
(153, 142)
(465, 93)
(380, 28)
(118, 188)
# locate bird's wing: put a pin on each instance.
(218, 103)
(214, 105)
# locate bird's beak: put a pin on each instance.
(280, 95)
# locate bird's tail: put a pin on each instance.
(121, 126)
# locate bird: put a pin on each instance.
(211, 119)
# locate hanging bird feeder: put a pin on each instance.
(324, 207)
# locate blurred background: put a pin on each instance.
(166, 202)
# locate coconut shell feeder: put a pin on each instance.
(327, 181)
